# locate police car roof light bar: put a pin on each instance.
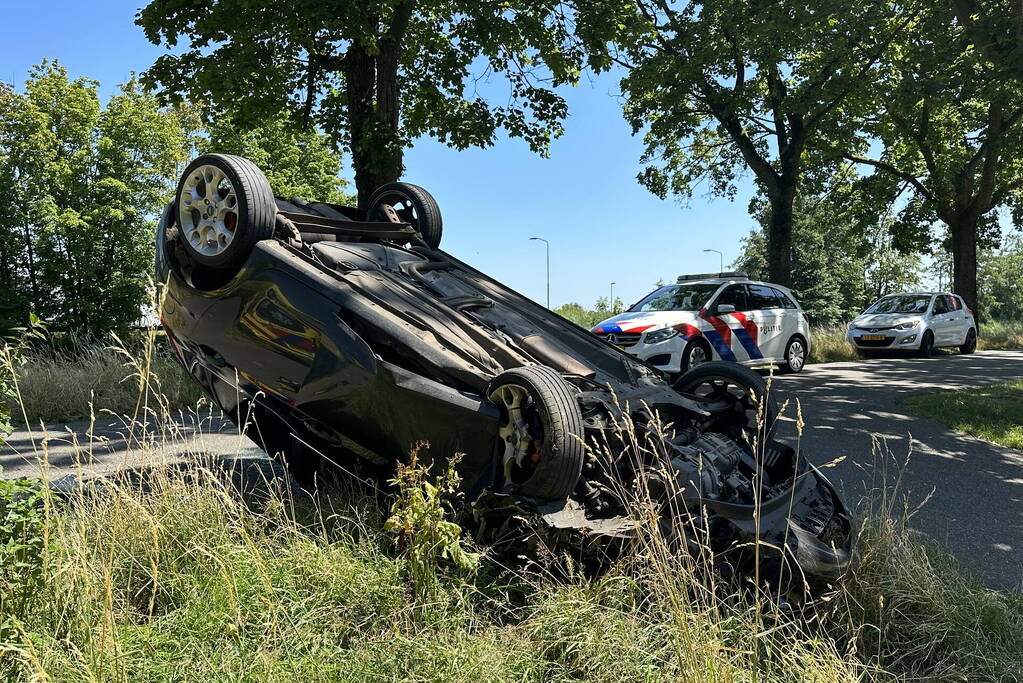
(709, 276)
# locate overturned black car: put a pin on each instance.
(333, 332)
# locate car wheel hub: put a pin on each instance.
(514, 431)
(208, 210)
(797, 355)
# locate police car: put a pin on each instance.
(713, 316)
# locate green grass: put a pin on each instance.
(183, 574)
(993, 413)
(189, 580)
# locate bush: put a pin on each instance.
(22, 534)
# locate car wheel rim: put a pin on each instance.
(403, 207)
(797, 355)
(519, 446)
(697, 356)
(208, 210)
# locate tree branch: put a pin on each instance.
(898, 173)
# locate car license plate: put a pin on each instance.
(873, 337)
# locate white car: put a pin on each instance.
(720, 316)
(915, 321)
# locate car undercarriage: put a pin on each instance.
(330, 332)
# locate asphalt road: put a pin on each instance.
(973, 489)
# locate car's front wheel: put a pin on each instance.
(926, 345)
(695, 353)
(970, 345)
(795, 355)
(223, 205)
(540, 431)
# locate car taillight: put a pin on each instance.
(806, 318)
(970, 311)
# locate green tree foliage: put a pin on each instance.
(1001, 281)
(724, 86)
(946, 117)
(297, 162)
(83, 182)
(373, 75)
(589, 317)
(839, 265)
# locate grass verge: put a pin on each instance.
(185, 577)
(993, 413)
(228, 572)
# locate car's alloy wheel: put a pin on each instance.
(540, 432)
(795, 355)
(223, 206)
(756, 411)
(208, 209)
(971, 343)
(694, 354)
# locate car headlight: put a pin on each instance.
(907, 325)
(658, 336)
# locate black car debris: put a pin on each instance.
(344, 333)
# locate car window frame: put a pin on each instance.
(785, 300)
(934, 305)
(750, 297)
(745, 296)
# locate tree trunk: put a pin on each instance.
(374, 109)
(779, 237)
(964, 260)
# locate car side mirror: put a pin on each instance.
(724, 308)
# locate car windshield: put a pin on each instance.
(690, 297)
(901, 303)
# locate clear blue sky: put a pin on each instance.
(601, 224)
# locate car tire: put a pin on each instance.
(553, 408)
(970, 345)
(926, 345)
(418, 208)
(795, 355)
(711, 379)
(238, 211)
(695, 353)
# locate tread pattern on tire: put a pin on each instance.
(254, 194)
(430, 217)
(555, 477)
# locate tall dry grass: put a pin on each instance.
(225, 570)
(79, 378)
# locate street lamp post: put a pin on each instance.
(721, 260)
(611, 301)
(548, 248)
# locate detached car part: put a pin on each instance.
(351, 335)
